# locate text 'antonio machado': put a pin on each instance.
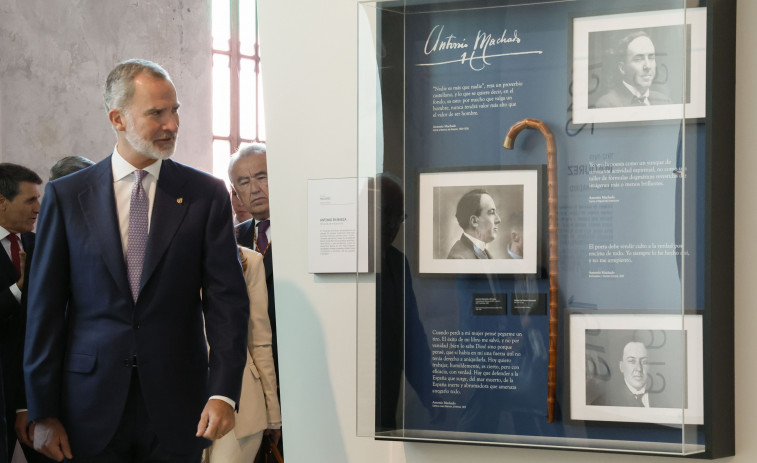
(476, 56)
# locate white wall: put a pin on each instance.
(310, 92)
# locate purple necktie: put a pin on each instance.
(137, 238)
(262, 240)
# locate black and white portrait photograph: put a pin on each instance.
(641, 368)
(639, 66)
(479, 221)
(486, 228)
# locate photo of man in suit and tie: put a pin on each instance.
(636, 67)
(135, 266)
(477, 215)
(19, 206)
(632, 392)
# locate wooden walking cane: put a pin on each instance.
(553, 243)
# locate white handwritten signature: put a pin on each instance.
(477, 57)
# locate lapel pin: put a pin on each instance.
(179, 200)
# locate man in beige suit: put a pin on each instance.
(259, 409)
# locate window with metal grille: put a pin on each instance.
(237, 82)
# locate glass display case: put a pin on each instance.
(552, 224)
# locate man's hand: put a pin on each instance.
(22, 268)
(50, 439)
(216, 420)
(24, 436)
(274, 434)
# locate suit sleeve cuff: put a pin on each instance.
(15, 291)
(225, 399)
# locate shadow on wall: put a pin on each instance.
(305, 383)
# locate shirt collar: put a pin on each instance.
(3, 233)
(636, 92)
(122, 168)
(635, 391)
(476, 242)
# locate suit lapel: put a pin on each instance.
(6, 263)
(478, 252)
(168, 211)
(244, 234)
(7, 268)
(268, 256)
(98, 204)
(268, 262)
(27, 241)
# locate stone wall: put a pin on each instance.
(55, 56)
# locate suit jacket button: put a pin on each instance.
(126, 363)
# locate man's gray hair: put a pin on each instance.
(68, 166)
(119, 87)
(245, 150)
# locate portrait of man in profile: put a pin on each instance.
(479, 222)
(477, 215)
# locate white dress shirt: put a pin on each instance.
(644, 97)
(123, 182)
(476, 242)
(639, 392)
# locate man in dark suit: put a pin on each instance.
(135, 257)
(637, 67)
(19, 206)
(477, 215)
(632, 392)
(3, 428)
(248, 173)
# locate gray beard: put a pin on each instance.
(143, 146)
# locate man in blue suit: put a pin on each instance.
(135, 264)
